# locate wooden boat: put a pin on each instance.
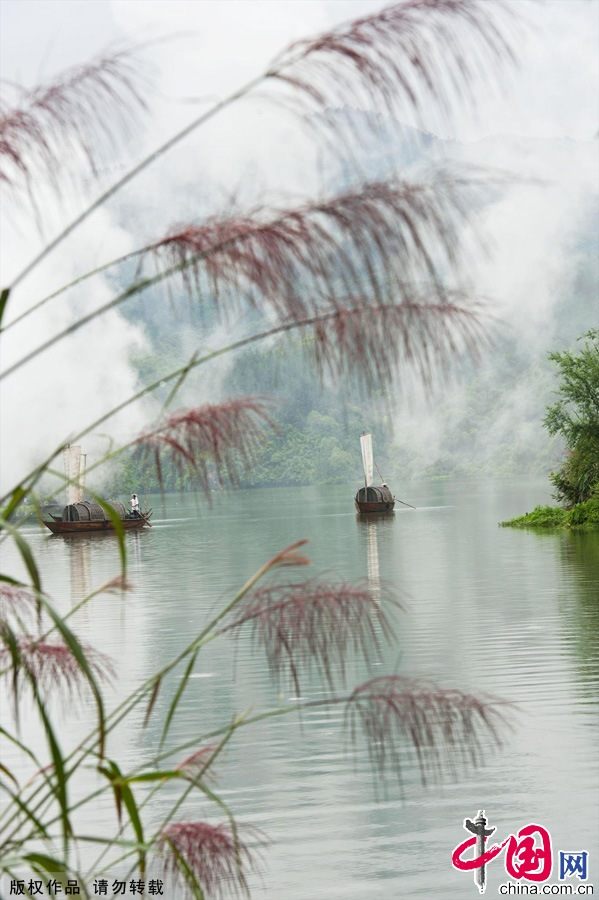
(81, 516)
(372, 498)
(87, 516)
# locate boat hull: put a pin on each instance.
(59, 527)
(372, 506)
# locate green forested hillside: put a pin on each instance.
(487, 420)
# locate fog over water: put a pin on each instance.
(486, 610)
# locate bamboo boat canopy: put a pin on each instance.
(88, 511)
(372, 494)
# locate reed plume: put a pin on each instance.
(314, 625)
(375, 240)
(213, 441)
(18, 604)
(52, 666)
(400, 58)
(197, 765)
(373, 343)
(213, 855)
(289, 557)
(80, 114)
(383, 241)
(441, 727)
(362, 273)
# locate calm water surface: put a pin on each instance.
(489, 610)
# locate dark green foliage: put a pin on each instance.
(585, 515)
(540, 517)
(575, 416)
(319, 426)
(316, 438)
(578, 477)
(582, 516)
(134, 474)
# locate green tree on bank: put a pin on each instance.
(575, 416)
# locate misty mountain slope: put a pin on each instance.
(540, 286)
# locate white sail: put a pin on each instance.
(73, 471)
(367, 458)
(82, 473)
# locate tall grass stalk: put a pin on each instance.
(362, 273)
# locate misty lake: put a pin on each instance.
(488, 610)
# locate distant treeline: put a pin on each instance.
(488, 423)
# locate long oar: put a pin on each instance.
(395, 498)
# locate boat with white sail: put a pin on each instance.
(82, 516)
(372, 498)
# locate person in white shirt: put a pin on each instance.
(134, 503)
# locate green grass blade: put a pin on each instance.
(178, 694)
(17, 497)
(47, 863)
(39, 828)
(25, 552)
(117, 524)
(187, 872)
(155, 776)
(108, 773)
(4, 295)
(57, 784)
(118, 781)
(9, 774)
(14, 581)
(152, 701)
(60, 781)
(23, 747)
(9, 639)
(42, 864)
(79, 655)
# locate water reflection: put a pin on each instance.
(372, 528)
(372, 556)
(134, 558)
(80, 569)
(490, 610)
(579, 552)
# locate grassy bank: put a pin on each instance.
(583, 515)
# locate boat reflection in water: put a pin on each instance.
(79, 557)
(372, 559)
(376, 532)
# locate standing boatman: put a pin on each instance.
(134, 503)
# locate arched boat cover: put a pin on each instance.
(375, 494)
(89, 511)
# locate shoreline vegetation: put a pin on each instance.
(582, 516)
(575, 417)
